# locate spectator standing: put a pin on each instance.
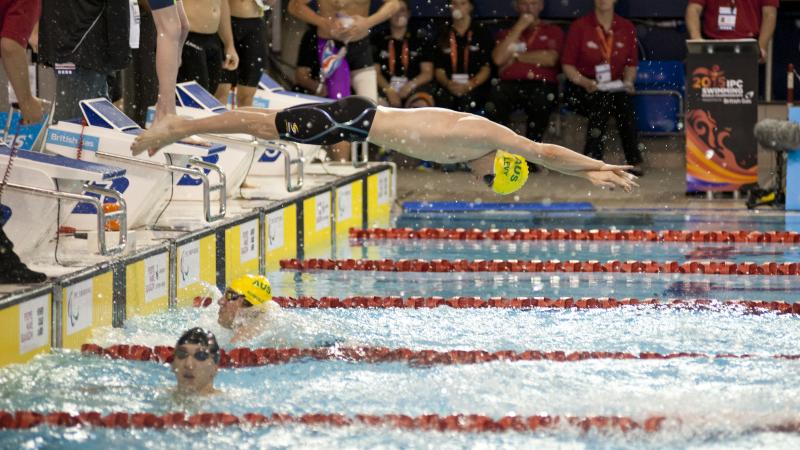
(84, 41)
(17, 21)
(600, 59)
(306, 74)
(527, 55)
(250, 40)
(307, 79)
(403, 60)
(463, 61)
(209, 46)
(342, 29)
(733, 19)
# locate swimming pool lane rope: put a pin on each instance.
(549, 266)
(246, 357)
(465, 423)
(470, 423)
(355, 302)
(378, 302)
(526, 234)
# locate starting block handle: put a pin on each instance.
(208, 188)
(103, 219)
(289, 161)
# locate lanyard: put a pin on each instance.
(531, 41)
(393, 57)
(606, 43)
(454, 51)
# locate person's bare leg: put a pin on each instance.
(223, 92)
(169, 42)
(259, 123)
(245, 96)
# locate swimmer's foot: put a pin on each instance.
(157, 136)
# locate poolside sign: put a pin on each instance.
(34, 321)
(79, 299)
(721, 108)
(275, 230)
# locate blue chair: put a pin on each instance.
(659, 97)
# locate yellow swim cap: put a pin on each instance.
(255, 288)
(510, 172)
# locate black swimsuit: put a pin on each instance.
(348, 119)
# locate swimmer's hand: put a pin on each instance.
(610, 176)
(160, 134)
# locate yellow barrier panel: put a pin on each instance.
(241, 250)
(147, 285)
(317, 226)
(379, 201)
(25, 330)
(349, 207)
(85, 305)
(196, 268)
(281, 236)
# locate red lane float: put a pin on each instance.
(554, 265)
(745, 306)
(246, 357)
(525, 234)
(470, 423)
(466, 423)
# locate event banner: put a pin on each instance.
(721, 109)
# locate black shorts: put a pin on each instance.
(348, 119)
(201, 60)
(250, 39)
(359, 54)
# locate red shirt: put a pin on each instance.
(748, 17)
(17, 18)
(585, 49)
(543, 37)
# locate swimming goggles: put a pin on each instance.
(200, 355)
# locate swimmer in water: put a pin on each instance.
(195, 363)
(246, 307)
(430, 134)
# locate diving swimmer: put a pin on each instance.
(430, 134)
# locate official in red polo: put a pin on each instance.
(527, 56)
(733, 19)
(600, 60)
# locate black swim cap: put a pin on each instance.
(200, 336)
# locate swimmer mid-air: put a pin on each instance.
(431, 134)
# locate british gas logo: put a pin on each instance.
(73, 140)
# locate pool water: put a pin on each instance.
(718, 400)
